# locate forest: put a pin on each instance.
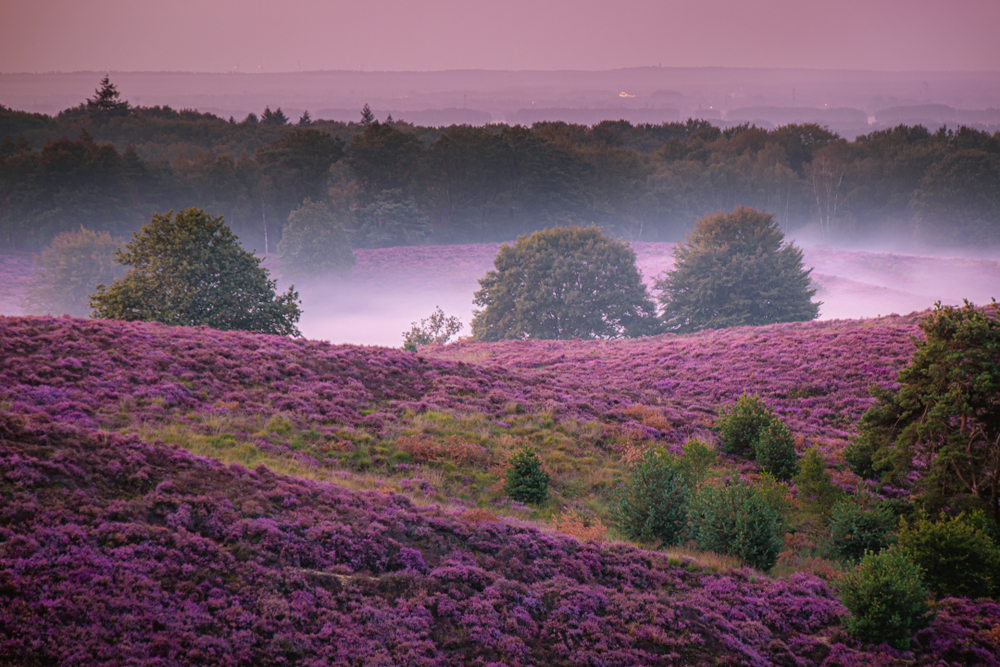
(109, 166)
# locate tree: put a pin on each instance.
(190, 270)
(314, 242)
(958, 202)
(945, 417)
(526, 482)
(563, 283)
(297, 165)
(391, 219)
(366, 115)
(740, 425)
(862, 523)
(730, 516)
(305, 120)
(69, 270)
(735, 270)
(958, 559)
(886, 597)
(384, 158)
(276, 117)
(105, 103)
(434, 330)
(651, 503)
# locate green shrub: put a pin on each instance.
(437, 329)
(886, 597)
(314, 242)
(69, 270)
(694, 465)
(730, 516)
(817, 492)
(651, 504)
(526, 481)
(863, 523)
(774, 449)
(958, 559)
(741, 425)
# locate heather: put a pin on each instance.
(187, 494)
(116, 551)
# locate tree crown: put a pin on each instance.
(190, 270)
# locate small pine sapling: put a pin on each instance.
(774, 449)
(741, 425)
(651, 504)
(860, 524)
(526, 481)
(886, 597)
(958, 559)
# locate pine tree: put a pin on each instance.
(306, 119)
(736, 270)
(276, 117)
(105, 102)
(366, 115)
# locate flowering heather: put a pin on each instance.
(114, 551)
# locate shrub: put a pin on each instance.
(526, 481)
(730, 516)
(695, 463)
(741, 425)
(774, 449)
(861, 524)
(69, 270)
(886, 597)
(816, 489)
(651, 504)
(958, 559)
(436, 329)
(314, 242)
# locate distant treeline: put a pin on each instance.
(110, 167)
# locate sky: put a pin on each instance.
(410, 35)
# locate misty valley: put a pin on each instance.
(321, 392)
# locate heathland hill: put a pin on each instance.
(189, 496)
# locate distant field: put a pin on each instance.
(392, 287)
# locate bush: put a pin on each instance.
(314, 242)
(861, 524)
(741, 425)
(526, 481)
(958, 559)
(69, 270)
(774, 449)
(436, 329)
(730, 516)
(694, 465)
(816, 489)
(651, 504)
(886, 597)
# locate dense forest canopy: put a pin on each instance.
(396, 183)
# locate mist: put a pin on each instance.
(392, 288)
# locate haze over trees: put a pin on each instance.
(110, 167)
(190, 270)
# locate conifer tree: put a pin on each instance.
(106, 103)
(736, 270)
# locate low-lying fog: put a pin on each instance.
(394, 287)
(391, 288)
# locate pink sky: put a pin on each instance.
(274, 36)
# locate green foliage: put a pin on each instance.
(434, 330)
(735, 270)
(563, 283)
(190, 270)
(526, 481)
(886, 597)
(696, 462)
(314, 242)
(730, 516)
(383, 158)
(958, 559)
(945, 415)
(69, 270)
(741, 425)
(860, 524)
(817, 491)
(774, 449)
(651, 503)
(105, 103)
(958, 202)
(391, 219)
